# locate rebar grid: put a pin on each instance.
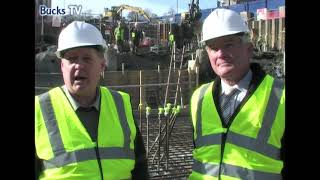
(180, 147)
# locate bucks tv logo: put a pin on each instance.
(73, 10)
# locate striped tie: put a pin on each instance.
(225, 104)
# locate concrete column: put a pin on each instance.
(267, 36)
(273, 34)
(159, 33)
(281, 34)
(254, 24)
(261, 25)
(261, 36)
(142, 91)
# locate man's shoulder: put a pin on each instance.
(205, 85)
(46, 93)
(103, 89)
(202, 89)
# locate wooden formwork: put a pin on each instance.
(145, 87)
(272, 33)
(149, 86)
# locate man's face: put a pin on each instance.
(229, 57)
(81, 68)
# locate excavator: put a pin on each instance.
(134, 9)
(113, 15)
(192, 20)
(194, 14)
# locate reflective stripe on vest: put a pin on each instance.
(87, 154)
(234, 171)
(62, 158)
(260, 144)
(123, 118)
(207, 139)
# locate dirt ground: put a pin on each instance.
(142, 60)
(145, 59)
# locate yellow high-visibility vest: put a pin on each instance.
(119, 34)
(250, 148)
(66, 148)
(171, 37)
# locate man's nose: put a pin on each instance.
(222, 52)
(79, 63)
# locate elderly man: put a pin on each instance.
(83, 130)
(238, 118)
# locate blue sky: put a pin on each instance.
(158, 7)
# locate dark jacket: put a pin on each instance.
(138, 36)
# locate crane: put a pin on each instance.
(193, 14)
(194, 10)
(190, 22)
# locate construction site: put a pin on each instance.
(160, 77)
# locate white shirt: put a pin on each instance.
(242, 86)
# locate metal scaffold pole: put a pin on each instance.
(42, 29)
(169, 76)
(148, 110)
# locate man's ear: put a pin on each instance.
(104, 67)
(207, 49)
(104, 64)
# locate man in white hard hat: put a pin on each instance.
(238, 118)
(83, 130)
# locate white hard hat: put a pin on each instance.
(77, 34)
(222, 22)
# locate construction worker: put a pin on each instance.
(119, 36)
(171, 39)
(238, 118)
(83, 130)
(136, 37)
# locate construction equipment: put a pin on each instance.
(112, 16)
(194, 14)
(134, 9)
(190, 28)
(115, 14)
